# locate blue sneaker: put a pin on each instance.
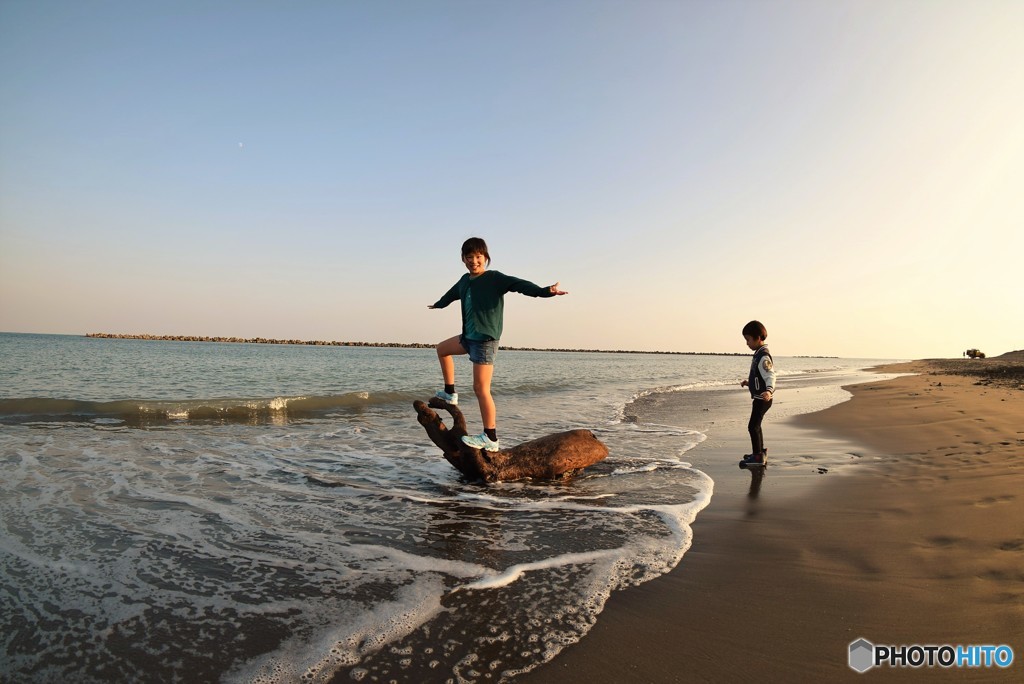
(481, 441)
(452, 399)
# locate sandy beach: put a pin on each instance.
(896, 516)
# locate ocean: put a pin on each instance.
(204, 512)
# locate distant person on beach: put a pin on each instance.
(761, 383)
(482, 293)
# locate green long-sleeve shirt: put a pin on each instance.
(487, 293)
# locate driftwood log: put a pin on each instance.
(551, 457)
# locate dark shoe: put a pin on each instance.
(749, 457)
(756, 459)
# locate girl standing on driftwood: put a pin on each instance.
(482, 295)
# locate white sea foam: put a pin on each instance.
(348, 639)
(191, 505)
(511, 574)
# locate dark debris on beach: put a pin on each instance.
(1006, 370)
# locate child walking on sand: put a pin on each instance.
(761, 383)
(482, 295)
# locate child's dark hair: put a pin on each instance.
(475, 245)
(755, 329)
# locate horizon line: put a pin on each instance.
(395, 345)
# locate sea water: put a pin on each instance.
(189, 511)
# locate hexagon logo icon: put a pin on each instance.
(862, 655)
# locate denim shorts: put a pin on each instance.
(480, 351)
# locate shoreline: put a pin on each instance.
(921, 543)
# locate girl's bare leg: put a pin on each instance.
(445, 351)
(482, 374)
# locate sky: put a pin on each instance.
(850, 172)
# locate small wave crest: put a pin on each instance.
(134, 412)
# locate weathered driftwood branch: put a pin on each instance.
(550, 457)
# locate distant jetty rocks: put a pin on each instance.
(252, 340)
(398, 345)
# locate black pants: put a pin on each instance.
(758, 408)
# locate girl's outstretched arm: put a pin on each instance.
(449, 297)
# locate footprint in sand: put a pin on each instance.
(994, 500)
(944, 541)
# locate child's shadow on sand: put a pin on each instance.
(756, 478)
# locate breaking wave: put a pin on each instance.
(137, 412)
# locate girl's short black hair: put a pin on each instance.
(475, 245)
(755, 329)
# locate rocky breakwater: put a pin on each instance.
(254, 340)
(400, 345)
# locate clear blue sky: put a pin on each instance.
(849, 172)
